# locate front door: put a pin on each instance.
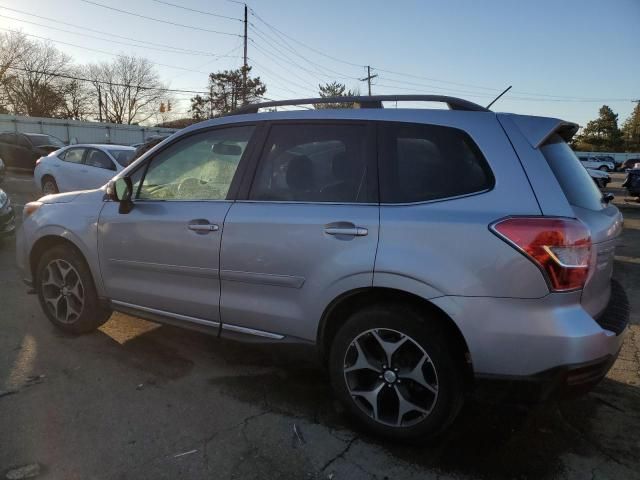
(163, 256)
(98, 169)
(306, 232)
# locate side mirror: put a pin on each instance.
(121, 190)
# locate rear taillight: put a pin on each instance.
(561, 247)
(38, 161)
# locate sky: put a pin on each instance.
(564, 58)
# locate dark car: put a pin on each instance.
(628, 164)
(632, 182)
(21, 150)
(7, 216)
(147, 145)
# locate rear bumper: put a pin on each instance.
(571, 378)
(522, 338)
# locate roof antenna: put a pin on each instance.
(498, 97)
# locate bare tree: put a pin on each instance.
(35, 86)
(128, 89)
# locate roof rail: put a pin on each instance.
(374, 101)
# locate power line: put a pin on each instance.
(97, 50)
(170, 50)
(197, 11)
(82, 27)
(105, 82)
(288, 81)
(302, 43)
(126, 12)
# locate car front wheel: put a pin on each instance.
(67, 293)
(394, 371)
(604, 168)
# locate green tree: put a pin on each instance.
(631, 130)
(335, 89)
(226, 93)
(601, 134)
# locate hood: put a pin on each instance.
(59, 197)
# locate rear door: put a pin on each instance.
(305, 231)
(604, 220)
(98, 170)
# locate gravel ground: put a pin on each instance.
(138, 400)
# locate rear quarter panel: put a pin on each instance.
(445, 247)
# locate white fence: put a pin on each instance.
(74, 131)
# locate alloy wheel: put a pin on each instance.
(62, 291)
(390, 377)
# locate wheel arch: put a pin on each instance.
(340, 308)
(51, 240)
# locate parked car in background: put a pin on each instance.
(598, 164)
(354, 231)
(80, 167)
(632, 182)
(629, 164)
(601, 178)
(21, 150)
(7, 216)
(151, 142)
(2, 170)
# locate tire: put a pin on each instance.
(49, 185)
(67, 293)
(439, 404)
(604, 168)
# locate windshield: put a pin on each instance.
(41, 140)
(123, 157)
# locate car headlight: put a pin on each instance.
(30, 208)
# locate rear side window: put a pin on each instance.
(575, 181)
(428, 162)
(313, 163)
(73, 155)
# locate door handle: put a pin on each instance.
(351, 231)
(206, 227)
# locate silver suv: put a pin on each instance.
(421, 251)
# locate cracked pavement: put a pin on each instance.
(136, 400)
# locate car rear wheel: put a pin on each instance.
(394, 371)
(49, 185)
(67, 293)
(604, 168)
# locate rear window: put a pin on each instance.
(123, 157)
(427, 162)
(579, 188)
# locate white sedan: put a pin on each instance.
(80, 167)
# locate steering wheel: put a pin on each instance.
(187, 185)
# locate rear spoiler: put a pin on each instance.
(537, 130)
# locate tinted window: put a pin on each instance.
(427, 162)
(199, 167)
(123, 157)
(7, 138)
(96, 158)
(73, 155)
(22, 141)
(313, 163)
(579, 188)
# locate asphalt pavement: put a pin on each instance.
(137, 400)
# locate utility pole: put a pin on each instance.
(368, 78)
(244, 68)
(99, 104)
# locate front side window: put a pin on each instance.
(98, 159)
(199, 167)
(313, 163)
(427, 162)
(73, 155)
